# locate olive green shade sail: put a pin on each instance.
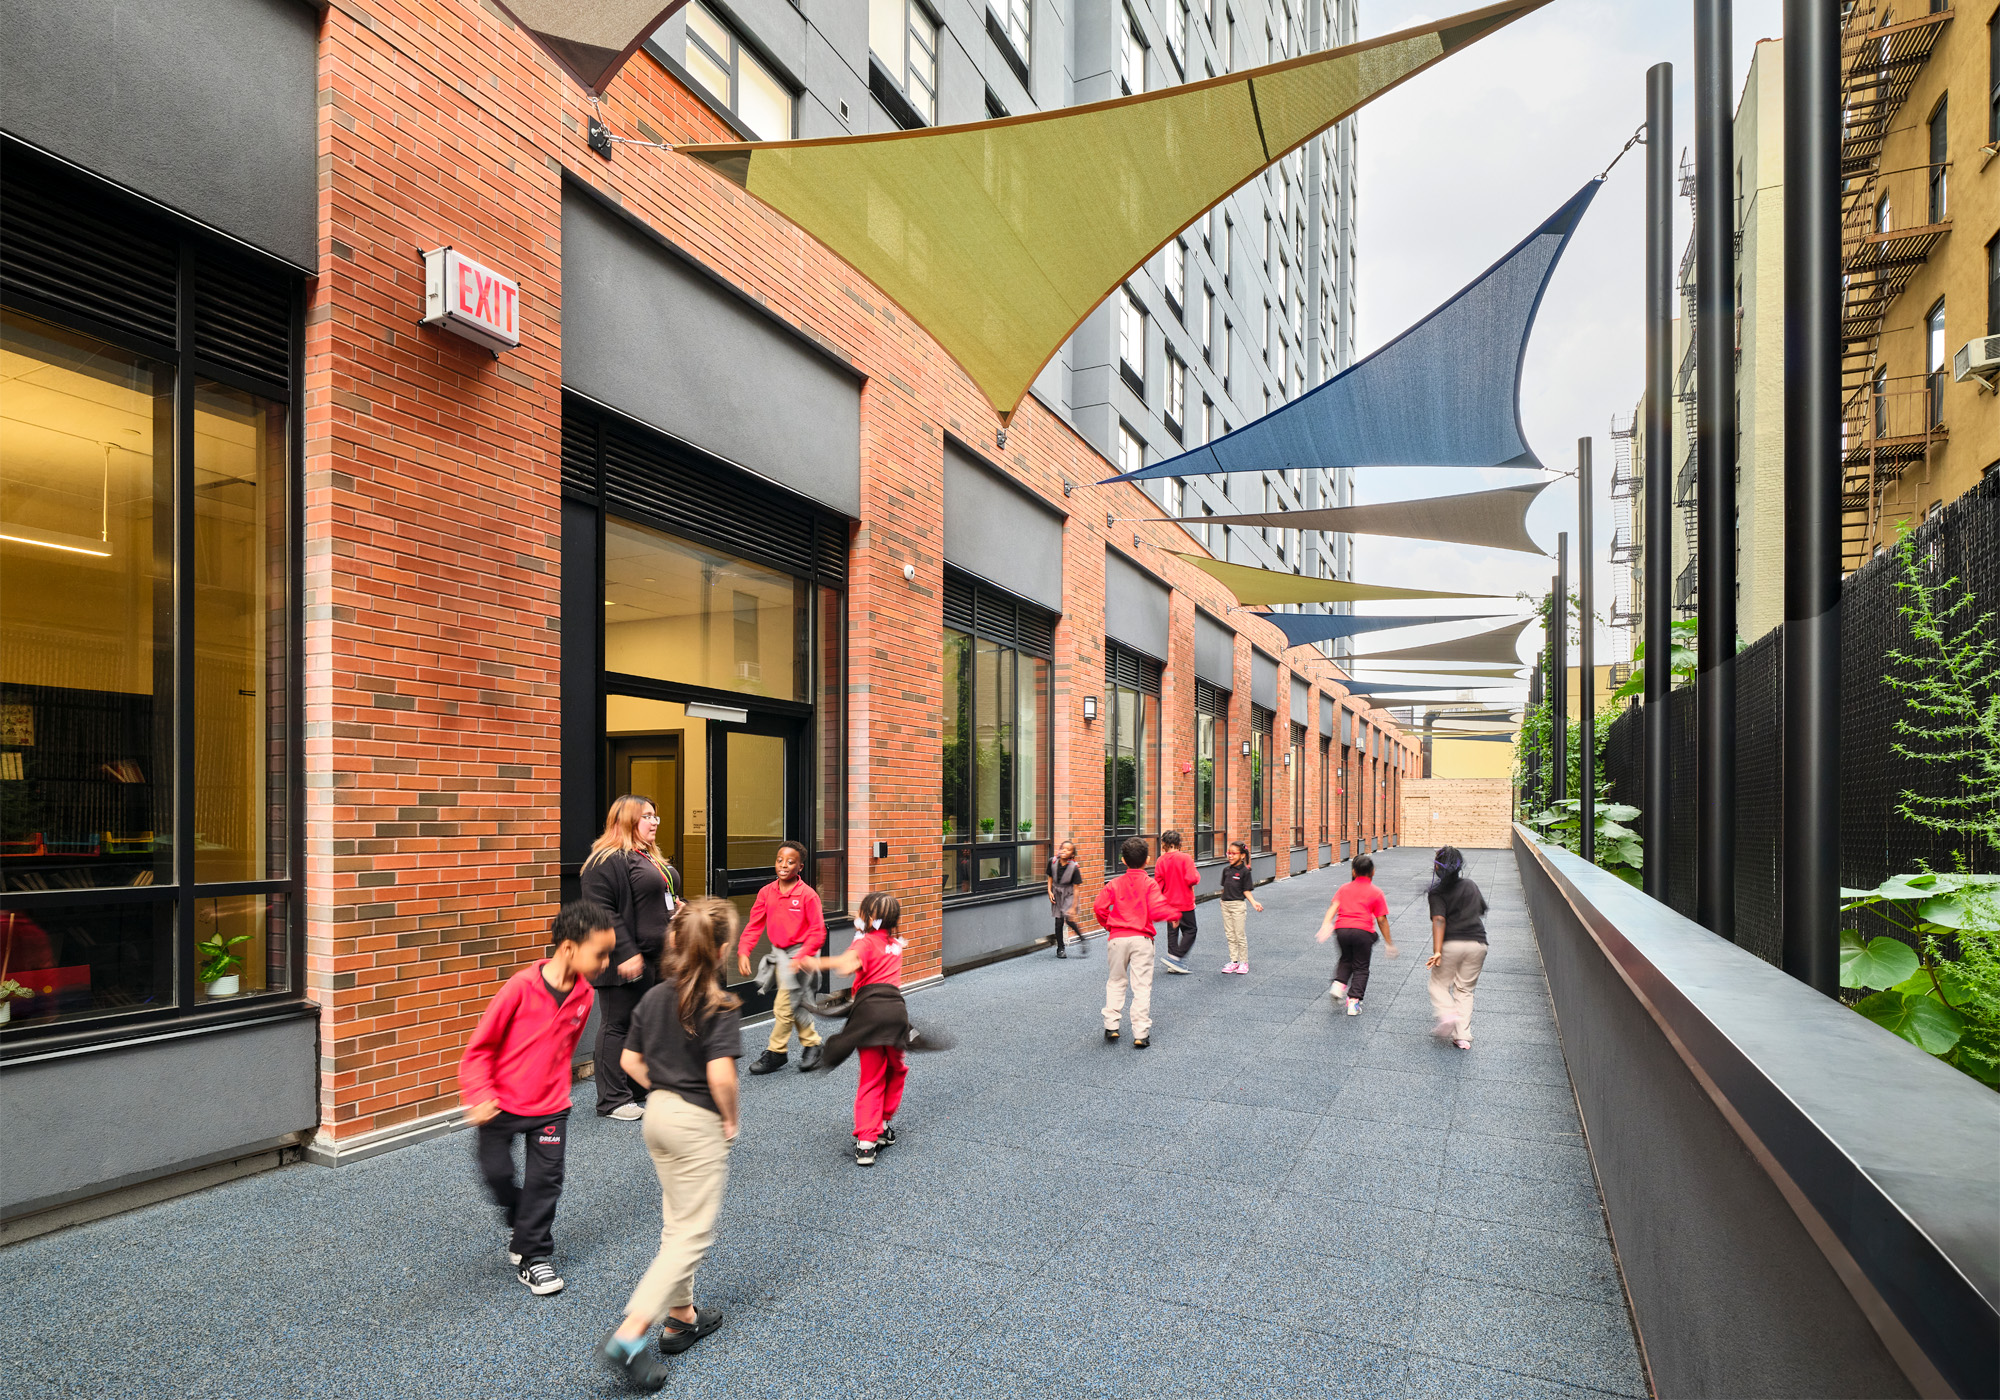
(1501, 646)
(1255, 587)
(1495, 519)
(591, 39)
(999, 237)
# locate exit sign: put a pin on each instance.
(470, 299)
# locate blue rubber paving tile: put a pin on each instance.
(1273, 1200)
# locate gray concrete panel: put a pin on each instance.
(998, 530)
(1326, 709)
(1263, 680)
(1214, 652)
(1298, 865)
(975, 931)
(650, 335)
(1135, 606)
(80, 1124)
(1725, 1106)
(1301, 702)
(208, 106)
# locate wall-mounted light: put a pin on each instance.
(1089, 708)
(1288, 758)
(1246, 748)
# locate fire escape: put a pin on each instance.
(1890, 222)
(1624, 486)
(1684, 395)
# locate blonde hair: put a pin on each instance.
(620, 833)
(701, 932)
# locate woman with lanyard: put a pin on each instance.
(1065, 874)
(626, 873)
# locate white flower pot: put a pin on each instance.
(6, 1012)
(224, 986)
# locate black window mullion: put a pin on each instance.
(184, 601)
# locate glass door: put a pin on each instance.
(755, 793)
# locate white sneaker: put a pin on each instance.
(1353, 1006)
(625, 1113)
(1337, 990)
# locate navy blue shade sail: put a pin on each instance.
(1303, 629)
(1445, 393)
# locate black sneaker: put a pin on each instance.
(809, 1059)
(864, 1154)
(641, 1370)
(888, 1138)
(677, 1336)
(1111, 1034)
(768, 1061)
(1142, 1042)
(541, 1278)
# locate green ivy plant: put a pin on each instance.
(1681, 665)
(1619, 849)
(219, 957)
(1937, 986)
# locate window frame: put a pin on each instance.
(925, 112)
(1262, 722)
(1175, 408)
(731, 62)
(1132, 333)
(1211, 725)
(1131, 56)
(1147, 745)
(1297, 753)
(201, 261)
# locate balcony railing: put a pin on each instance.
(1894, 420)
(1881, 55)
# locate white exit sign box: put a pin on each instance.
(468, 298)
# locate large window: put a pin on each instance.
(1325, 789)
(1211, 771)
(1131, 720)
(1132, 342)
(1260, 778)
(146, 651)
(904, 39)
(1935, 363)
(1017, 19)
(1295, 762)
(1131, 57)
(996, 740)
(735, 76)
(1940, 207)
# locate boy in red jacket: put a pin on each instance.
(787, 912)
(1126, 909)
(1176, 876)
(515, 1079)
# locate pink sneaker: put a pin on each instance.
(1463, 1044)
(1229, 967)
(1354, 1006)
(1243, 968)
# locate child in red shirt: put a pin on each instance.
(878, 1025)
(788, 912)
(1126, 909)
(1176, 876)
(1357, 908)
(515, 1080)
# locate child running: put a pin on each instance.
(1237, 882)
(1458, 946)
(515, 1079)
(1126, 909)
(1357, 909)
(788, 912)
(879, 1023)
(1176, 876)
(685, 1039)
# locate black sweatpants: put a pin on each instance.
(1357, 946)
(615, 1005)
(530, 1206)
(1180, 935)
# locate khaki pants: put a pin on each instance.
(1452, 983)
(1235, 918)
(692, 1157)
(1130, 959)
(783, 1017)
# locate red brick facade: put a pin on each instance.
(434, 561)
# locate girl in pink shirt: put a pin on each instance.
(878, 1026)
(1357, 909)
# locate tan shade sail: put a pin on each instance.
(1259, 587)
(1501, 645)
(999, 237)
(1495, 519)
(590, 38)
(1427, 672)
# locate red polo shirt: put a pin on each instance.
(1176, 876)
(1130, 905)
(791, 918)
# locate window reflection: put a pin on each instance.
(679, 611)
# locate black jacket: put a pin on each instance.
(633, 889)
(878, 1018)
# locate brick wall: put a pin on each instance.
(433, 563)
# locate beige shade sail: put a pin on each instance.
(1255, 587)
(590, 38)
(1495, 519)
(999, 237)
(1426, 672)
(1501, 645)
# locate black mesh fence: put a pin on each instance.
(1962, 542)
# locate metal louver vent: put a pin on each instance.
(579, 458)
(63, 246)
(971, 606)
(958, 603)
(1128, 668)
(243, 320)
(1210, 699)
(1260, 720)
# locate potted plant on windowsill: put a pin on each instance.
(986, 825)
(10, 992)
(1027, 828)
(221, 965)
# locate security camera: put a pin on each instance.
(910, 573)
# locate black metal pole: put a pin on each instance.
(1533, 796)
(1586, 657)
(1811, 808)
(1559, 674)
(1715, 484)
(1657, 792)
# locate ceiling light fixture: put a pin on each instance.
(90, 550)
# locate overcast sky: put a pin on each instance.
(1457, 166)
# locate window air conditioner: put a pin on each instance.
(1977, 359)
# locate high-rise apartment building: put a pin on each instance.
(1241, 313)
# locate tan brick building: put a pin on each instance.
(330, 633)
